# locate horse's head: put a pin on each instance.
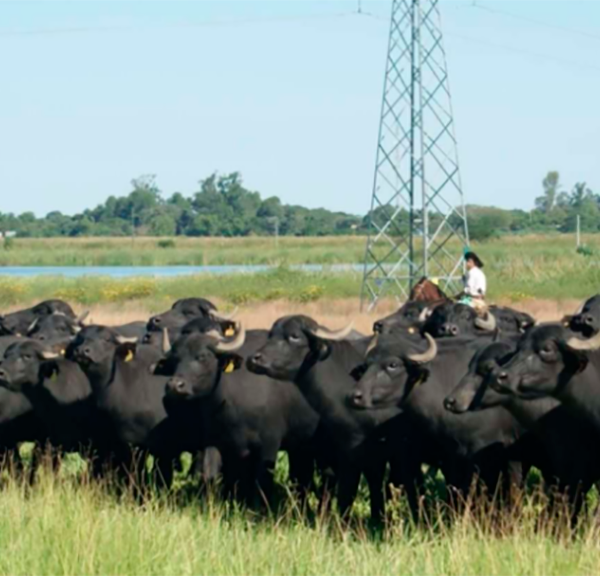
(426, 291)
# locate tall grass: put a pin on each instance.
(181, 251)
(533, 250)
(67, 525)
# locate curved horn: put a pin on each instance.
(47, 355)
(224, 345)
(166, 343)
(326, 334)
(125, 340)
(489, 324)
(590, 344)
(223, 317)
(372, 344)
(425, 313)
(81, 319)
(32, 326)
(58, 313)
(426, 356)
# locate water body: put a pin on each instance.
(159, 271)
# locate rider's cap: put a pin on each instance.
(472, 256)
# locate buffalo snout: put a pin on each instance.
(177, 387)
(257, 363)
(359, 400)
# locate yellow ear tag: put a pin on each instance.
(62, 352)
(129, 356)
(230, 331)
(230, 367)
(411, 330)
(53, 376)
(566, 324)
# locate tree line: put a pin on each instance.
(223, 206)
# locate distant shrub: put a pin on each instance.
(11, 291)
(242, 297)
(310, 294)
(135, 289)
(585, 250)
(166, 243)
(9, 243)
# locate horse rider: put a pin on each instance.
(475, 283)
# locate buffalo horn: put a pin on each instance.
(223, 317)
(488, 324)
(590, 344)
(372, 344)
(226, 345)
(47, 355)
(166, 343)
(326, 334)
(426, 356)
(125, 340)
(81, 319)
(425, 313)
(32, 326)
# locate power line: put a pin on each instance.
(539, 55)
(60, 31)
(541, 23)
(523, 51)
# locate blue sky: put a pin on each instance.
(93, 94)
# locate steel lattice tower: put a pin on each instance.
(417, 223)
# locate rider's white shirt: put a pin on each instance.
(475, 282)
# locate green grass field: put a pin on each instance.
(518, 268)
(67, 525)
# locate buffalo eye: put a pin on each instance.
(294, 338)
(393, 365)
(27, 356)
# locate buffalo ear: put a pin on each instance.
(417, 374)
(49, 370)
(575, 362)
(162, 368)
(566, 321)
(230, 362)
(358, 372)
(319, 347)
(126, 352)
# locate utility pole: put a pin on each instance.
(417, 222)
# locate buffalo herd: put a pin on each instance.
(482, 398)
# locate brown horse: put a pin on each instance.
(426, 291)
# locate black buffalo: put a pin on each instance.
(452, 319)
(397, 373)
(587, 320)
(321, 363)
(128, 401)
(182, 312)
(248, 418)
(18, 323)
(565, 448)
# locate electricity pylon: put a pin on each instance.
(418, 222)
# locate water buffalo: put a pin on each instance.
(565, 450)
(247, 417)
(320, 362)
(396, 373)
(18, 323)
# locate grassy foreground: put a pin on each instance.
(66, 526)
